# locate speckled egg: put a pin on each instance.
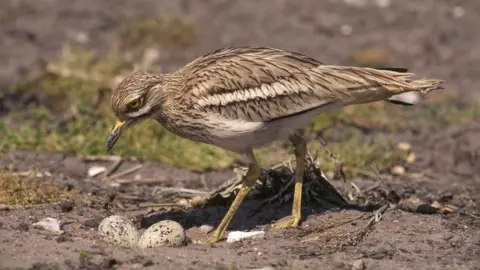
(119, 231)
(163, 233)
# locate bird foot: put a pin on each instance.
(288, 222)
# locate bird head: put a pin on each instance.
(135, 99)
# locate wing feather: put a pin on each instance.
(263, 84)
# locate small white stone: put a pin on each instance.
(49, 224)
(238, 235)
(163, 233)
(398, 170)
(410, 158)
(346, 30)
(206, 228)
(95, 170)
(458, 12)
(383, 3)
(358, 265)
(404, 146)
(119, 231)
(264, 268)
(82, 37)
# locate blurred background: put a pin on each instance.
(61, 59)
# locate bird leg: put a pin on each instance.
(248, 182)
(300, 148)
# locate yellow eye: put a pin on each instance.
(134, 105)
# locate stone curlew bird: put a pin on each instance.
(241, 98)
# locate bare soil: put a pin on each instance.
(429, 37)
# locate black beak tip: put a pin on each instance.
(110, 142)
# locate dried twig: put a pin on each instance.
(357, 189)
(310, 238)
(116, 164)
(290, 164)
(148, 181)
(128, 171)
(281, 164)
(183, 190)
(130, 197)
(375, 186)
(156, 205)
(338, 163)
(204, 182)
(376, 217)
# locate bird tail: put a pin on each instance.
(359, 85)
(410, 98)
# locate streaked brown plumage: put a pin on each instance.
(242, 98)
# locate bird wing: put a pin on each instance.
(264, 84)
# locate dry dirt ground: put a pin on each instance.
(433, 37)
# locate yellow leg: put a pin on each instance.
(300, 147)
(249, 180)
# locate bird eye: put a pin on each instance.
(134, 105)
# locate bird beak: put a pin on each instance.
(115, 133)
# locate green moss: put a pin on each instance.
(359, 154)
(21, 190)
(386, 117)
(158, 31)
(83, 254)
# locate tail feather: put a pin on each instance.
(428, 85)
(424, 86)
(357, 85)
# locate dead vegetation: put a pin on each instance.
(19, 190)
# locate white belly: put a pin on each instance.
(240, 136)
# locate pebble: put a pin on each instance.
(398, 170)
(458, 12)
(265, 268)
(404, 146)
(238, 235)
(383, 3)
(206, 228)
(163, 233)
(49, 224)
(198, 201)
(411, 158)
(346, 30)
(96, 170)
(358, 265)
